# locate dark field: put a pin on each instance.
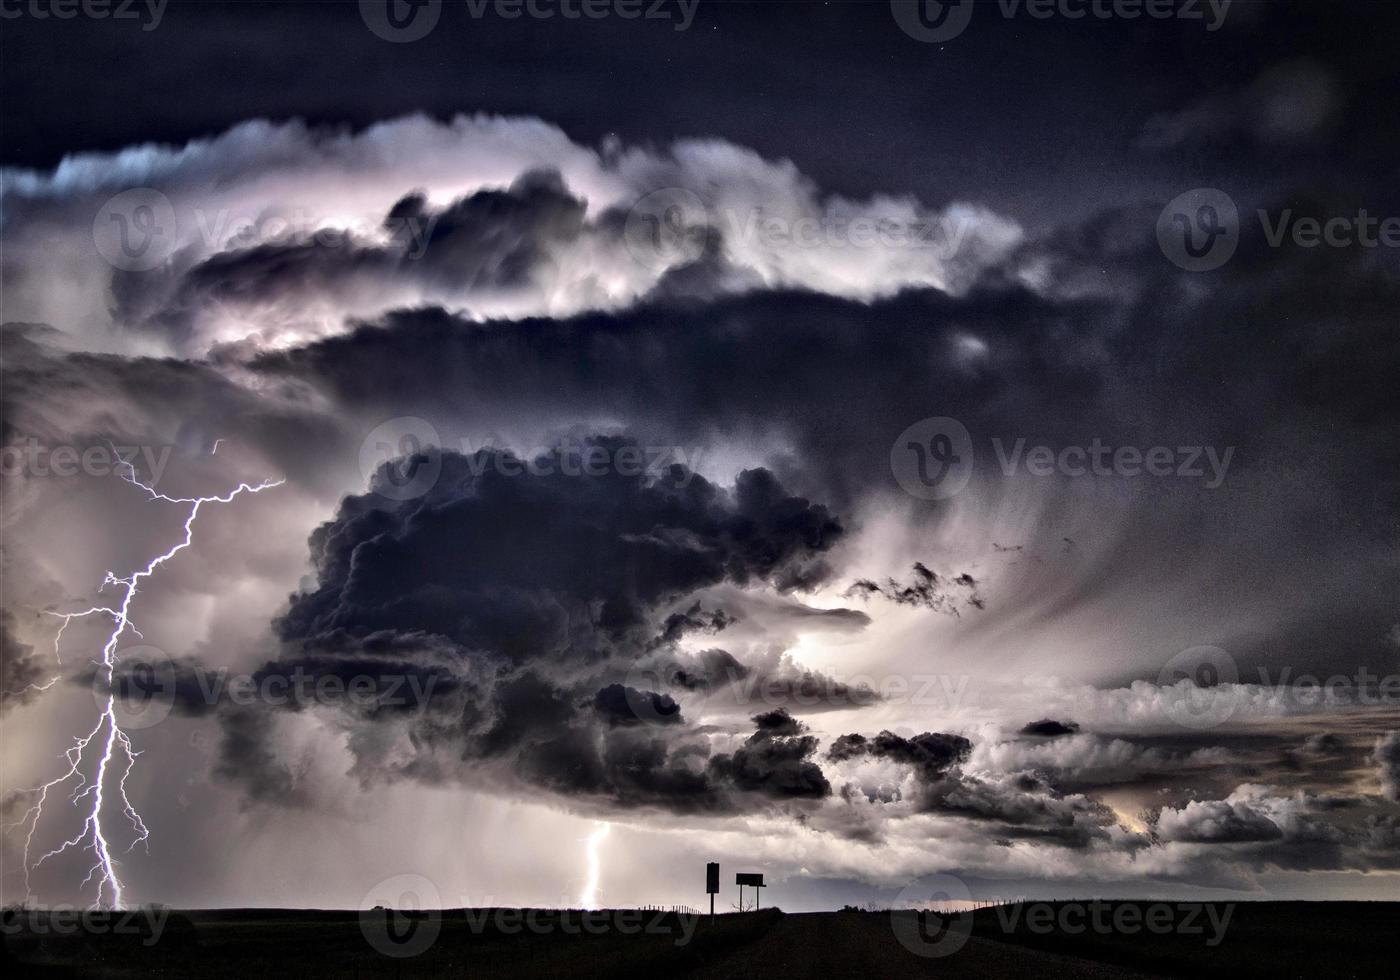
(1264, 939)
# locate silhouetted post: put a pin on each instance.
(712, 884)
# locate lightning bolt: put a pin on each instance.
(115, 756)
(589, 897)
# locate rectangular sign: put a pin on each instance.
(712, 878)
(749, 879)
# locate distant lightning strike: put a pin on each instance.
(589, 897)
(116, 753)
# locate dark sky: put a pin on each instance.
(1040, 115)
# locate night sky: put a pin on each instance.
(739, 431)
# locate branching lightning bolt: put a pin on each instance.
(116, 756)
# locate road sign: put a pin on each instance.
(753, 880)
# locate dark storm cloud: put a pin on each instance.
(778, 722)
(774, 680)
(775, 761)
(529, 588)
(1057, 370)
(1020, 804)
(145, 682)
(706, 670)
(693, 620)
(696, 371)
(848, 747)
(931, 754)
(926, 590)
(1049, 728)
(488, 241)
(616, 703)
(512, 564)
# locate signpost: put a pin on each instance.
(712, 884)
(748, 878)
